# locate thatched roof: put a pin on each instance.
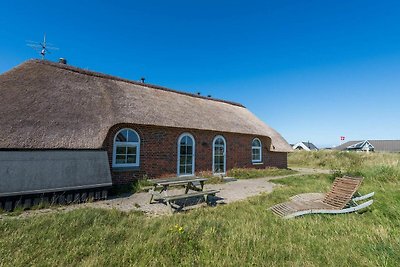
(45, 105)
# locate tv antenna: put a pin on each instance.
(42, 47)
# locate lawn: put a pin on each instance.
(239, 234)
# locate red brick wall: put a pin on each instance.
(158, 151)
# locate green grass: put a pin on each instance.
(239, 234)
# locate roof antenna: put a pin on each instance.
(41, 47)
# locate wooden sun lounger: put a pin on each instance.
(340, 199)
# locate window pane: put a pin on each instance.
(219, 141)
(189, 150)
(131, 150)
(256, 143)
(256, 154)
(189, 169)
(189, 160)
(185, 140)
(122, 136)
(219, 151)
(121, 150)
(189, 141)
(131, 159)
(120, 159)
(132, 136)
(182, 160)
(182, 169)
(218, 168)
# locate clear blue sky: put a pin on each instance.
(313, 70)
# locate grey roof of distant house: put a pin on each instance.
(379, 145)
(310, 145)
(45, 105)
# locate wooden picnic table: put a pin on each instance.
(189, 182)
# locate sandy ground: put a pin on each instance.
(230, 191)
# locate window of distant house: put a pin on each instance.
(256, 150)
(186, 149)
(126, 149)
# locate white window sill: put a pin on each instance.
(258, 163)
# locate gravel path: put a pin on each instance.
(230, 191)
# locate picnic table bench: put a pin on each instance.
(189, 182)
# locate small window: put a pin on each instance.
(126, 149)
(256, 150)
(186, 154)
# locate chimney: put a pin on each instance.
(142, 79)
(62, 61)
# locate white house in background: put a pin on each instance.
(307, 146)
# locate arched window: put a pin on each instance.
(126, 149)
(256, 150)
(219, 155)
(186, 153)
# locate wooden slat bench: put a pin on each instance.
(170, 199)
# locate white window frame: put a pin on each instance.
(126, 144)
(256, 147)
(179, 154)
(213, 155)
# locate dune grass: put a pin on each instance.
(246, 173)
(331, 159)
(241, 173)
(239, 234)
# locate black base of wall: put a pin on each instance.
(55, 198)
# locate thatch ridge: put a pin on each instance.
(112, 77)
(46, 105)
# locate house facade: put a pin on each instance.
(144, 130)
(169, 152)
